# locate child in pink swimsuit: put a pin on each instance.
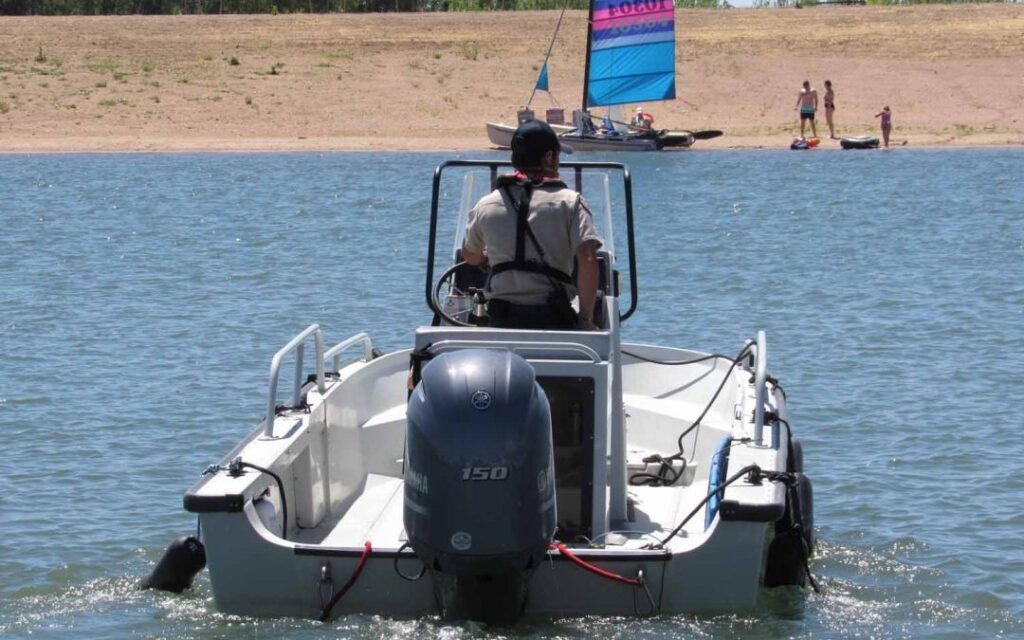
(886, 123)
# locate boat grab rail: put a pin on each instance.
(334, 353)
(760, 388)
(297, 344)
(518, 347)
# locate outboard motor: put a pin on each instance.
(479, 481)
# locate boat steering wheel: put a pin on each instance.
(436, 296)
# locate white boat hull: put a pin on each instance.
(500, 135)
(350, 453)
(253, 574)
(674, 467)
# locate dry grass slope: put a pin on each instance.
(430, 81)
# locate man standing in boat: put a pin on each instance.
(807, 103)
(529, 230)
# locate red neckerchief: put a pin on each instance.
(520, 178)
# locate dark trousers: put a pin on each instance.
(507, 315)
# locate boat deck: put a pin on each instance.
(376, 515)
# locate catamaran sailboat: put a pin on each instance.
(489, 473)
(630, 59)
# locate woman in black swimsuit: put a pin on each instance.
(830, 106)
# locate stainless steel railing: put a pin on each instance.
(543, 350)
(334, 353)
(297, 344)
(760, 389)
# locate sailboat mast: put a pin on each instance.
(551, 46)
(586, 68)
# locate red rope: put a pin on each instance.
(593, 569)
(367, 548)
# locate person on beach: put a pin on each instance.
(529, 229)
(830, 107)
(886, 115)
(807, 103)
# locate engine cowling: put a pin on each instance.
(479, 481)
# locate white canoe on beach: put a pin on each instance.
(525, 472)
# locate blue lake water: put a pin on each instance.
(142, 296)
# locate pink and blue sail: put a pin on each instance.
(632, 49)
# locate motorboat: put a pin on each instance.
(490, 474)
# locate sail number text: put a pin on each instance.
(630, 7)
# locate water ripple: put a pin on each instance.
(143, 296)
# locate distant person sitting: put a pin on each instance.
(582, 120)
(807, 103)
(530, 228)
(608, 126)
(641, 119)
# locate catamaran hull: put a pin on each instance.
(500, 135)
(676, 139)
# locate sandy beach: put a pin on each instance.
(951, 74)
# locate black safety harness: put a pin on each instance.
(522, 209)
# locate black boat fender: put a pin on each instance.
(794, 541)
(184, 558)
(795, 462)
(803, 515)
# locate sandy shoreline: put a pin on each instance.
(422, 82)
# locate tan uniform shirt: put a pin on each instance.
(559, 218)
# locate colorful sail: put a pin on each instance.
(632, 55)
(542, 79)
